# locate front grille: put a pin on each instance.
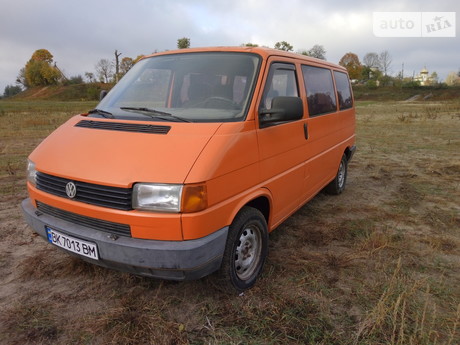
(94, 194)
(94, 223)
(124, 127)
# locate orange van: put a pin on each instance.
(191, 160)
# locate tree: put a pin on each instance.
(104, 70)
(138, 58)
(372, 60)
(372, 66)
(183, 43)
(283, 45)
(40, 71)
(254, 45)
(351, 62)
(42, 55)
(452, 79)
(368, 73)
(21, 78)
(125, 65)
(434, 79)
(90, 77)
(317, 51)
(11, 90)
(117, 66)
(75, 80)
(385, 61)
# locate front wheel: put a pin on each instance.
(337, 185)
(245, 250)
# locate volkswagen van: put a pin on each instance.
(191, 160)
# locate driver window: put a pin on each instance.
(281, 82)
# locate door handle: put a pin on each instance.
(305, 130)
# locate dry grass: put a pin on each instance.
(379, 264)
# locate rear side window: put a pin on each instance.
(343, 90)
(320, 90)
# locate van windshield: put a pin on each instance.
(188, 87)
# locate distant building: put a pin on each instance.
(424, 78)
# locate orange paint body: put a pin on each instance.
(279, 165)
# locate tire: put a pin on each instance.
(337, 185)
(245, 251)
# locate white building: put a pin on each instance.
(423, 77)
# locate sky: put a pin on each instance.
(80, 33)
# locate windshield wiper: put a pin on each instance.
(156, 113)
(104, 113)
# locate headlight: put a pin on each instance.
(31, 173)
(157, 197)
(170, 197)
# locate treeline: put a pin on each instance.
(372, 72)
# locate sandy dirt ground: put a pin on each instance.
(367, 265)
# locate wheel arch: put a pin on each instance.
(349, 152)
(260, 200)
(261, 203)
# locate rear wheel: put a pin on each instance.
(245, 250)
(337, 185)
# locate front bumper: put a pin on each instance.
(173, 260)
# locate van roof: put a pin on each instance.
(262, 51)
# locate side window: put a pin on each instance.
(320, 90)
(281, 81)
(343, 90)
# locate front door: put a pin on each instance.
(281, 146)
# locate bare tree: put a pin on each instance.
(452, 79)
(117, 66)
(104, 70)
(372, 60)
(385, 61)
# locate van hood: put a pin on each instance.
(120, 153)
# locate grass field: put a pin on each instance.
(379, 264)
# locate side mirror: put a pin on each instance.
(283, 109)
(103, 94)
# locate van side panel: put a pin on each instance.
(229, 165)
(330, 133)
(197, 225)
(281, 165)
(320, 164)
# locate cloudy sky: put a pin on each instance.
(80, 33)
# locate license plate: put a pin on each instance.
(72, 244)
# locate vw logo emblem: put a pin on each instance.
(71, 190)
